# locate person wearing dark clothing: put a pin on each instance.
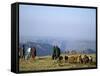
(56, 52)
(24, 51)
(25, 47)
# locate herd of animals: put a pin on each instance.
(76, 59)
(27, 53)
(70, 59)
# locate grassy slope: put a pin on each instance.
(46, 63)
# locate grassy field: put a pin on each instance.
(46, 63)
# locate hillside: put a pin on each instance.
(41, 49)
(47, 49)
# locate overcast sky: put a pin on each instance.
(63, 22)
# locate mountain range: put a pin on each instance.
(46, 48)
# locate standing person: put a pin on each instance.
(54, 53)
(58, 52)
(24, 51)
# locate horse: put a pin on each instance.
(33, 52)
(28, 53)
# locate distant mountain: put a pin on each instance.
(42, 49)
(45, 46)
(89, 51)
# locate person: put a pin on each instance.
(56, 52)
(24, 51)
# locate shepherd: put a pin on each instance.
(56, 52)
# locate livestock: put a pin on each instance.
(85, 59)
(60, 58)
(33, 52)
(90, 59)
(80, 59)
(66, 58)
(27, 53)
(72, 59)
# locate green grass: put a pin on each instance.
(46, 63)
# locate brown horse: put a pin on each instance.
(33, 52)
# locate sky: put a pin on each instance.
(57, 22)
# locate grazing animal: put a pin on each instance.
(85, 59)
(66, 58)
(72, 59)
(80, 59)
(60, 60)
(90, 59)
(75, 59)
(33, 52)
